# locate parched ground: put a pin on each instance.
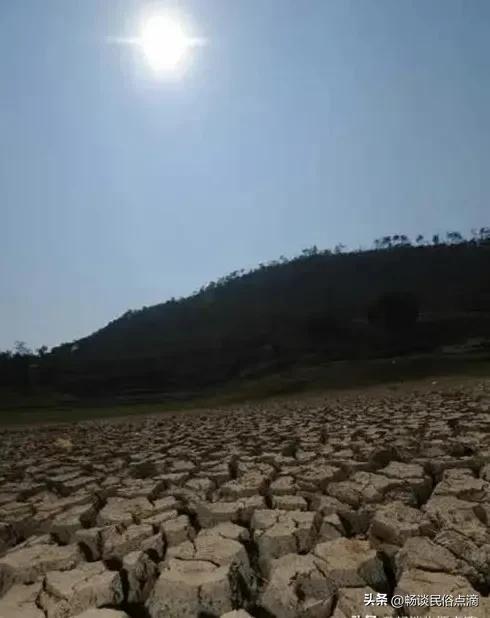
(308, 508)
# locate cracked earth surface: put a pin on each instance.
(280, 509)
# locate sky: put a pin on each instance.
(298, 123)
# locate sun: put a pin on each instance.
(164, 43)
(164, 40)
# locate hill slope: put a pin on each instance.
(277, 314)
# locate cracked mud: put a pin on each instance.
(300, 508)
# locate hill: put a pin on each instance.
(314, 306)
(275, 315)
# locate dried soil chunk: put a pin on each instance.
(297, 587)
(351, 563)
(68, 593)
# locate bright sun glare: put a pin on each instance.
(164, 43)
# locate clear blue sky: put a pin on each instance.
(299, 123)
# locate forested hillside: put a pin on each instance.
(316, 304)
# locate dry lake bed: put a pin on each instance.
(302, 507)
